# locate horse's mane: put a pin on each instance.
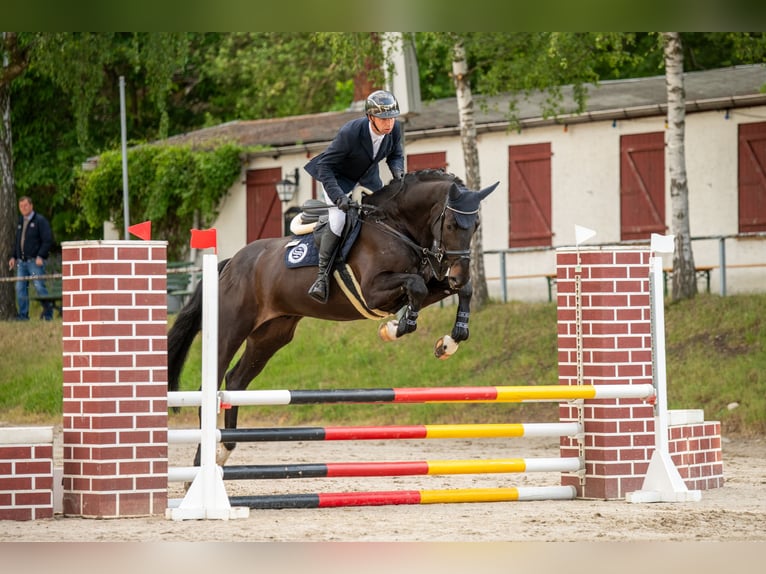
(435, 174)
(397, 186)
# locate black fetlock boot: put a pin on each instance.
(328, 243)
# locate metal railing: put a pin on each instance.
(504, 277)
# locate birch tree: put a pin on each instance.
(467, 119)
(684, 275)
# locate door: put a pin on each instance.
(264, 210)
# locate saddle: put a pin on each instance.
(306, 227)
(308, 218)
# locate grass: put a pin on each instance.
(716, 359)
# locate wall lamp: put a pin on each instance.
(287, 187)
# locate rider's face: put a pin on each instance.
(382, 126)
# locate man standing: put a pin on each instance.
(34, 240)
(352, 159)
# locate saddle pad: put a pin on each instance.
(302, 250)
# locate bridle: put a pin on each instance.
(436, 257)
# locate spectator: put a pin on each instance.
(34, 240)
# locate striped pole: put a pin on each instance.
(505, 394)
(383, 498)
(406, 468)
(394, 432)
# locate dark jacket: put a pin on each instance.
(348, 160)
(38, 241)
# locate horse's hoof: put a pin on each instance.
(387, 330)
(221, 454)
(445, 347)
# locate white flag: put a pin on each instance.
(662, 243)
(582, 234)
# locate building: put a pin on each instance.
(603, 169)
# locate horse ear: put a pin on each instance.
(454, 192)
(487, 190)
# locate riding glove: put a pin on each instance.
(342, 203)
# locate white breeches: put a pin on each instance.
(336, 218)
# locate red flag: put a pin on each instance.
(142, 230)
(204, 238)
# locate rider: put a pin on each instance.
(352, 159)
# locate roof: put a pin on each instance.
(713, 89)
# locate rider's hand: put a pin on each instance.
(398, 175)
(342, 203)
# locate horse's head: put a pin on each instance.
(454, 230)
(436, 216)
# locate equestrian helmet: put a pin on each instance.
(381, 104)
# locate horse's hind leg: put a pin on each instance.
(260, 347)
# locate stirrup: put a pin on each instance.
(319, 291)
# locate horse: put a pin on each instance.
(412, 249)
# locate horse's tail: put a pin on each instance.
(181, 335)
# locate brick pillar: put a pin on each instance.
(616, 349)
(115, 378)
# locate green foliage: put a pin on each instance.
(77, 62)
(168, 185)
(545, 61)
(272, 74)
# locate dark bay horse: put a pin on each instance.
(412, 250)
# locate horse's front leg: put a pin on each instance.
(407, 321)
(447, 345)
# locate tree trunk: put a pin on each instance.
(8, 203)
(684, 275)
(471, 158)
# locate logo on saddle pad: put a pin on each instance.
(297, 254)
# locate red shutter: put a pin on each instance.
(752, 177)
(264, 211)
(642, 185)
(418, 161)
(529, 195)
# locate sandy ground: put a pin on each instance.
(735, 513)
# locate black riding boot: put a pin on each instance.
(327, 245)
